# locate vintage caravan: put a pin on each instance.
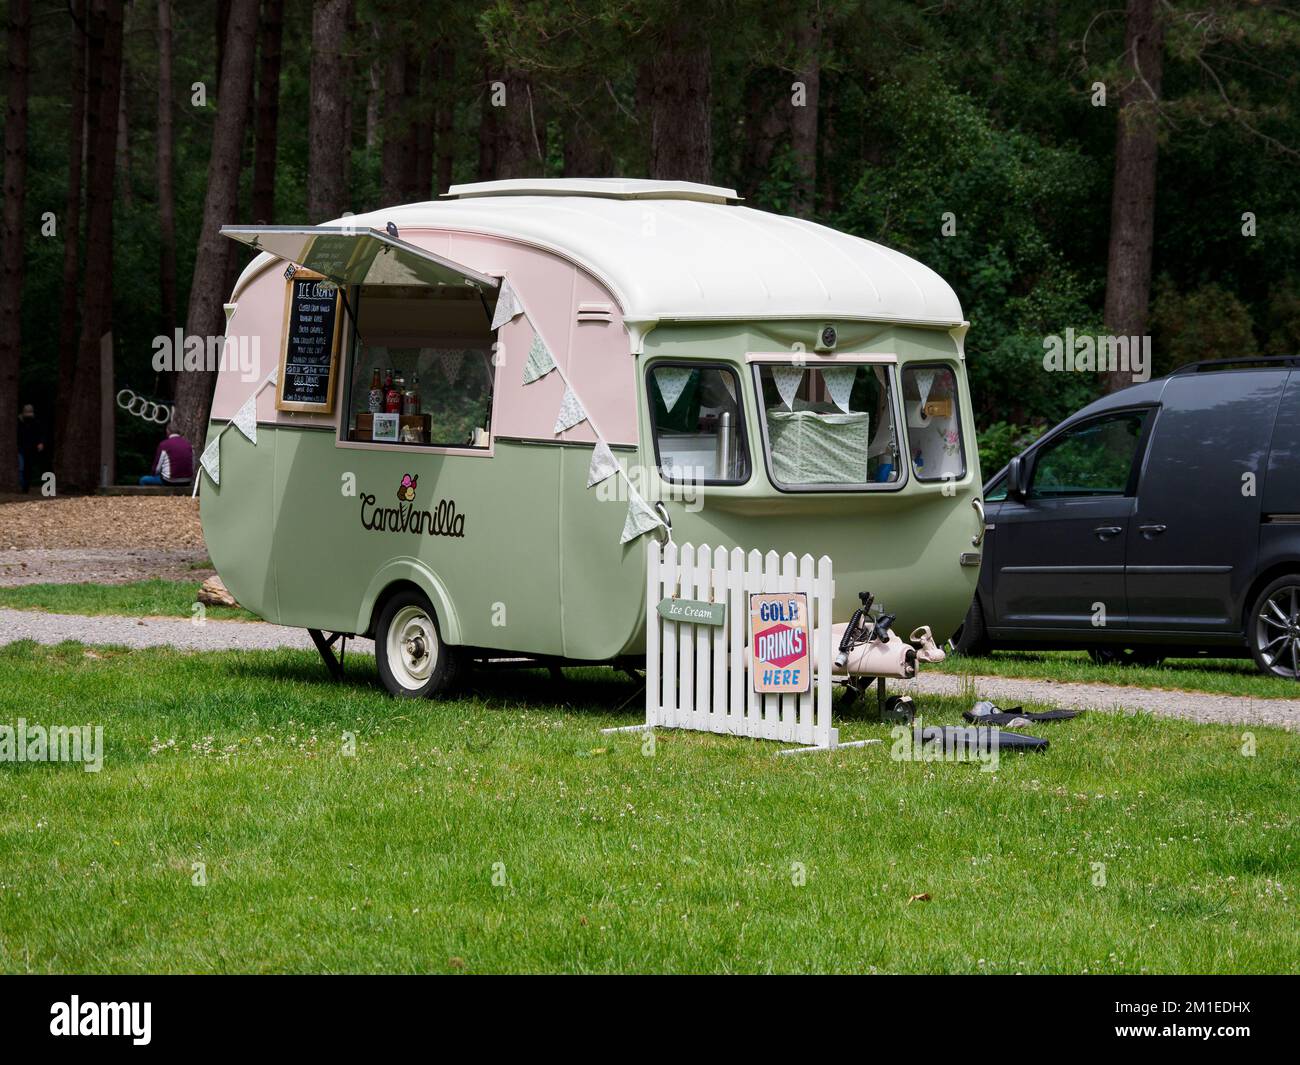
(468, 414)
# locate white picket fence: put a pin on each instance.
(696, 676)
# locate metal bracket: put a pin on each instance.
(325, 647)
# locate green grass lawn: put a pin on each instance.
(153, 598)
(503, 832)
(1221, 676)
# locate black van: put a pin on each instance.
(1160, 520)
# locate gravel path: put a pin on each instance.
(256, 635)
(1189, 706)
(156, 632)
(72, 565)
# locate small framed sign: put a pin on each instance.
(779, 642)
(385, 427)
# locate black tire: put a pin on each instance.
(413, 661)
(1125, 656)
(971, 638)
(1273, 628)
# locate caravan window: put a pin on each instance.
(698, 423)
(422, 370)
(933, 423)
(829, 427)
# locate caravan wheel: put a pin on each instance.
(413, 661)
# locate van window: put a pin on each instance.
(1093, 459)
(828, 427)
(933, 423)
(422, 371)
(698, 423)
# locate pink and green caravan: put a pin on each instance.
(434, 386)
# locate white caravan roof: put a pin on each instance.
(675, 250)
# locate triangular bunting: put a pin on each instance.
(571, 412)
(539, 362)
(641, 517)
(603, 464)
(245, 419)
(924, 382)
(210, 460)
(508, 307)
(787, 380)
(450, 362)
(839, 383)
(672, 381)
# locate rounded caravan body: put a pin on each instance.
(777, 384)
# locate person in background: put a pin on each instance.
(173, 462)
(31, 446)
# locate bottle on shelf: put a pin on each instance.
(392, 397)
(411, 398)
(375, 402)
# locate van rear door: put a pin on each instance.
(1194, 540)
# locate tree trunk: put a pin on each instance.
(79, 453)
(487, 130)
(1133, 197)
(69, 318)
(166, 173)
(268, 112)
(206, 317)
(585, 153)
(445, 116)
(15, 244)
(326, 192)
(803, 119)
(679, 77)
(426, 119)
(519, 152)
(123, 146)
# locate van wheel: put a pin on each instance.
(413, 661)
(971, 638)
(1274, 628)
(1125, 656)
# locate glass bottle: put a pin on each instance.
(392, 397)
(375, 402)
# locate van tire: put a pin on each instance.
(971, 640)
(413, 660)
(1284, 594)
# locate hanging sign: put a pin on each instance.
(693, 611)
(779, 642)
(309, 353)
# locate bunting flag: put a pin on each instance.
(508, 307)
(450, 361)
(211, 459)
(603, 464)
(539, 362)
(924, 381)
(787, 380)
(672, 381)
(571, 412)
(641, 517)
(245, 419)
(839, 383)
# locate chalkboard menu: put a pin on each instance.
(311, 344)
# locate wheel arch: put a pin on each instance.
(1262, 580)
(402, 573)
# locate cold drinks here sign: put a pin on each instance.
(779, 640)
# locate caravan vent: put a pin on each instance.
(595, 312)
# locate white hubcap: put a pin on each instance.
(412, 647)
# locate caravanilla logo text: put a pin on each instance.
(441, 521)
